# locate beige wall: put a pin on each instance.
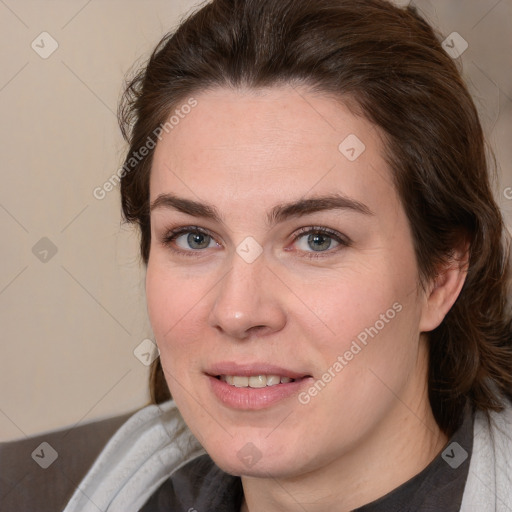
(70, 324)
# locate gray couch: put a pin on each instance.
(25, 486)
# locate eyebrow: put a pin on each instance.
(278, 213)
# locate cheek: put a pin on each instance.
(360, 304)
(368, 359)
(368, 329)
(173, 305)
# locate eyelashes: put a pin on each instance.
(197, 239)
(318, 235)
(174, 234)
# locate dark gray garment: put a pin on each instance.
(201, 486)
(26, 486)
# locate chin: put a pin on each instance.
(257, 459)
(259, 469)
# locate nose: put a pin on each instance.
(248, 301)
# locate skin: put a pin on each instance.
(371, 428)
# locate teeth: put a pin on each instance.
(272, 380)
(254, 381)
(259, 381)
(240, 382)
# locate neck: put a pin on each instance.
(398, 449)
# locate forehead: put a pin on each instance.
(240, 147)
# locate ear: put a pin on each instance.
(444, 289)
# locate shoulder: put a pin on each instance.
(489, 482)
(150, 446)
(40, 472)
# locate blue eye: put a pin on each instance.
(189, 239)
(195, 240)
(319, 240)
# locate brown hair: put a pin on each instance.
(389, 64)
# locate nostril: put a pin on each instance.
(258, 329)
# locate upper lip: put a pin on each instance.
(248, 369)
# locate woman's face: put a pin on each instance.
(280, 250)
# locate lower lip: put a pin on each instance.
(255, 398)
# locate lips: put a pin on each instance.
(254, 386)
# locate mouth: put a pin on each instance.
(254, 386)
(256, 381)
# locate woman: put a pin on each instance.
(326, 271)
